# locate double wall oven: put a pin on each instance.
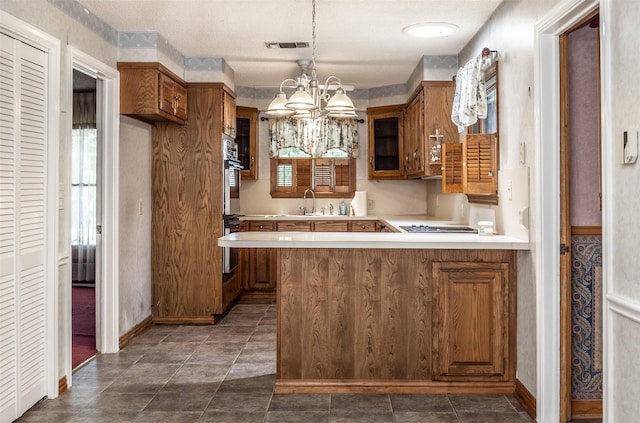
(231, 201)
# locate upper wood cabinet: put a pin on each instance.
(151, 92)
(405, 140)
(413, 160)
(385, 142)
(428, 125)
(247, 140)
(229, 114)
(471, 167)
(186, 261)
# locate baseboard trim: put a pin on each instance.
(258, 295)
(208, 320)
(325, 386)
(62, 385)
(586, 409)
(526, 399)
(137, 330)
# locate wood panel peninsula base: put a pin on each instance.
(396, 320)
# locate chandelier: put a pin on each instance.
(309, 97)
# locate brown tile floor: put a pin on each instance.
(226, 373)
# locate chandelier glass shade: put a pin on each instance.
(311, 100)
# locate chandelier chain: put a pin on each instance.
(313, 34)
(306, 102)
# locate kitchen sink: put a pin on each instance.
(439, 229)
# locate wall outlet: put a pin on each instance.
(140, 207)
(369, 204)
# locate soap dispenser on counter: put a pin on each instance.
(343, 209)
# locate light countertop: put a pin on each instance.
(315, 217)
(395, 221)
(397, 240)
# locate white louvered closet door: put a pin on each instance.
(22, 226)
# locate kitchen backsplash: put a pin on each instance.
(387, 197)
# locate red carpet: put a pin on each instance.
(83, 324)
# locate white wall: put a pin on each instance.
(510, 31)
(620, 56)
(46, 17)
(135, 223)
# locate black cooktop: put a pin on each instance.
(439, 229)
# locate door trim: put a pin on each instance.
(567, 404)
(547, 193)
(107, 303)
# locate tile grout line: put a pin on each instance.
(231, 367)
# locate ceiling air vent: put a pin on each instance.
(287, 44)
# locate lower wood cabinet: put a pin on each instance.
(294, 226)
(331, 227)
(471, 321)
(421, 321)
(262, 264)
(258, 265)
(363, 226)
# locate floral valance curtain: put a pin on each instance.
(314, 136)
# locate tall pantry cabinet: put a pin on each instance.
(187, 212)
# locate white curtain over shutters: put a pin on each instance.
(22, 226)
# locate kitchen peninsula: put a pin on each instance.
(392, 312)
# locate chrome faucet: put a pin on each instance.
(304, 196)
(331, 209)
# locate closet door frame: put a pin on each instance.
(108, 97)
(30, 35)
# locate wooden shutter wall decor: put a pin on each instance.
(452, 168)
(328, 177)
(303, 174)
(479, 158)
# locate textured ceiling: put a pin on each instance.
(360, 41)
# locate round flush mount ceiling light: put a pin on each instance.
(431, 29)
